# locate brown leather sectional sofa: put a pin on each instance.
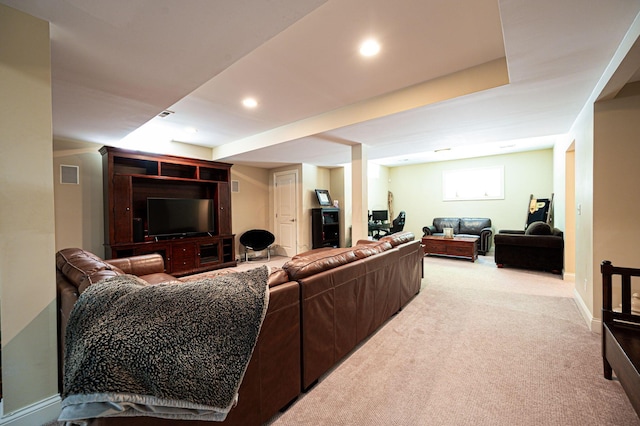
(322, 303)
(347, 294)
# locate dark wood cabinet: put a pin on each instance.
(131, 177)
(325, 227)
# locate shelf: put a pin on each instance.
(209, 253)
(325, 227)
(178, 170)
(132, 177)
(134, 166)
(211, 174)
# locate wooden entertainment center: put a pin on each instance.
(131, 177)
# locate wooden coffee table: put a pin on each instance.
(464, 247)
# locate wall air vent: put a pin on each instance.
(69, 174)
(235, 186)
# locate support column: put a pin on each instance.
(360, 199)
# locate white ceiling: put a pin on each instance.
(440, 80)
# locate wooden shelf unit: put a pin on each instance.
(130, 177)
(325, 227)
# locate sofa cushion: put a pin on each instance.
(474, 226)
(538, 228)
(157, 278)
(315, 261)
(365, 250)
(447, 222)
(140, 265)
(398, 238)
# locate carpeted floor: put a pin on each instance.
(478, 346)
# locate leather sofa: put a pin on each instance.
(272, 379)
(464, 227)
(322, 303)
(346, 294)
(540, 247)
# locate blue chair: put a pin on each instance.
(257, 240)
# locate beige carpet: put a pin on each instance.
(478, 346)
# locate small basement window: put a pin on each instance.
(486, 183)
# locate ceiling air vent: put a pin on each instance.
(165, 113)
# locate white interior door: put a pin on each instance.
(285, 211)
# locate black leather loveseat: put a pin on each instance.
(464, 227)
(540, 247)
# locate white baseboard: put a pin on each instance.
(594, 324)
(38, 413)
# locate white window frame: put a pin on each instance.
(485, 183)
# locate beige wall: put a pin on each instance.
(570, 213)
(340, 190)
(78, 208)
(615, 175)
(250, 206)
(378, 187)
(27, 269)
(417, 190)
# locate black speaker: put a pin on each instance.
(138, 230)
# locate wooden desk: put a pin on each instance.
(464, 247)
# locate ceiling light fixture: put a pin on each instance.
(249, 102)
(369, 48)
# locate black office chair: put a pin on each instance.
(396, 226)
(257, 240)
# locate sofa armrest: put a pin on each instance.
(486, 236)
(145, 264)
(428, 230)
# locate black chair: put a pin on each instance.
(396, 226)
(257, 240)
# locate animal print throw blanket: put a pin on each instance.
(172, 350)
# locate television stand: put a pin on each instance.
(185, 256)
(130, 178)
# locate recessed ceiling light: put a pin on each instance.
(442, 150)
(249, 102)
(369, 48)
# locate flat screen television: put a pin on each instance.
(379, 215)
(179, 216)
